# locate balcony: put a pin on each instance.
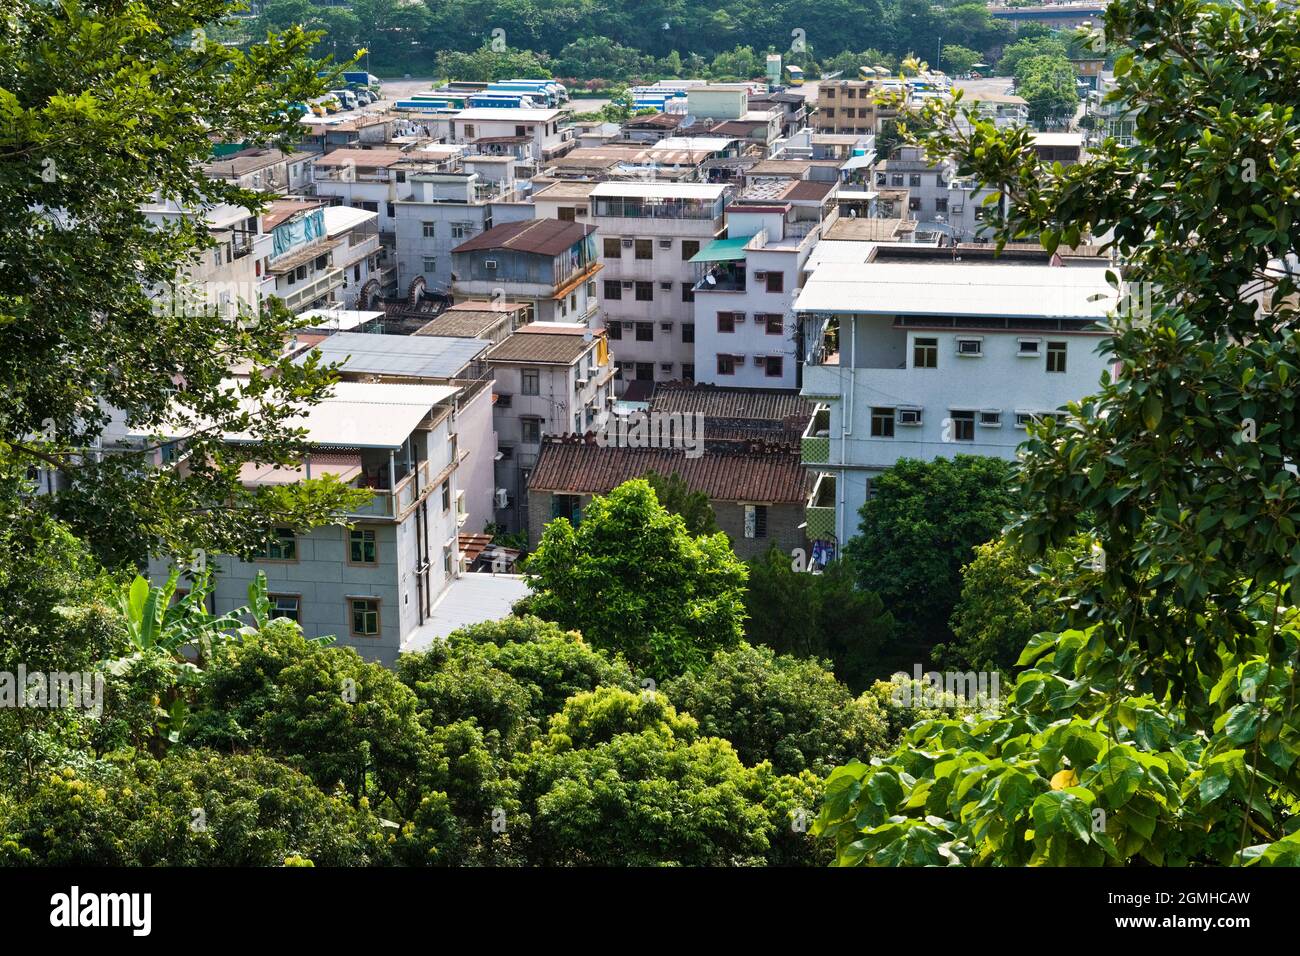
(303, 295)
(393, 501)
(819, 513)
(816, 442)
(723, 277)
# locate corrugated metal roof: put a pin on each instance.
(415, 356)
(579, 468)
(549, 348)
(543, 237)
(1013, 291)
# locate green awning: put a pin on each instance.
(723, 250)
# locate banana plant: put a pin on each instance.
(153, 621)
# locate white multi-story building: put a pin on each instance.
(374, 581)
(359, 255)
(648, 234)
(228, 277)
(532, 135)
(550, 379)
(443, 210)
(928, 360)
(369, 179)
(301, 269)
(745, 330)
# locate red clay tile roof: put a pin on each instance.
(718, 401)
(571, 466)
(544, 237)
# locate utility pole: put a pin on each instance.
(938, 54)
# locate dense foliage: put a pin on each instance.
(918, 529)
(822, 615)
(634, 581)
(1162, 725)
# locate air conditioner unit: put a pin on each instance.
(503, 498)
(666, 286)
(738, 316)
(665, 243)
(629, 326)
(489, 263)
(665, 326)
(909, 416)
(628, 243)
(627, 285)
(760, 274)
(760, 360)
(970, 347)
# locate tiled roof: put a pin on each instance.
(547, 348)
(363, 158)
(543, 237)
(717, 401)
(574, 467)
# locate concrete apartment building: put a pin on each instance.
(549, 379)
(375, 582)
(649, 233)
(848, 107)
(531, 135)
(431, 360)
(916, 355)
(566, 201)
(951, 207)
(301, 266)
(367, 274)
(229, 276)
(265, 170)
(745, 328)
(546, 264)
(443, 210)
(369, 179)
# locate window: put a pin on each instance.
(774, 323)
(504, 400)
(941, 204)
(429, 229)
(459, 230)
(896, 179)
(469, 130)
(507, 452)
(565, 214)
(430, 264)
(530, 430)
(882, 423)
(446, 496)
(990, 418)
(446, 561)
(645, 291)
(773, 365)
(282, 546)
(914, 180)
(688, 372)
(645, 371)
(361, 546)
(925, 353)
(365, 616)
(615, 331)
(688, 292)
(963, 426)
(645, 331)
(688, 332)
(914, 204)
(726, 322)
(613, 289)
(755, 521)
(726, 364)
(1056, 356)
(666, 368)
(645, 249)
(567, 506)
(776, 282)
(613, 249)
(1028, 348)
(970, 347)
(690, 248)
(285, 605)
(530, 381)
